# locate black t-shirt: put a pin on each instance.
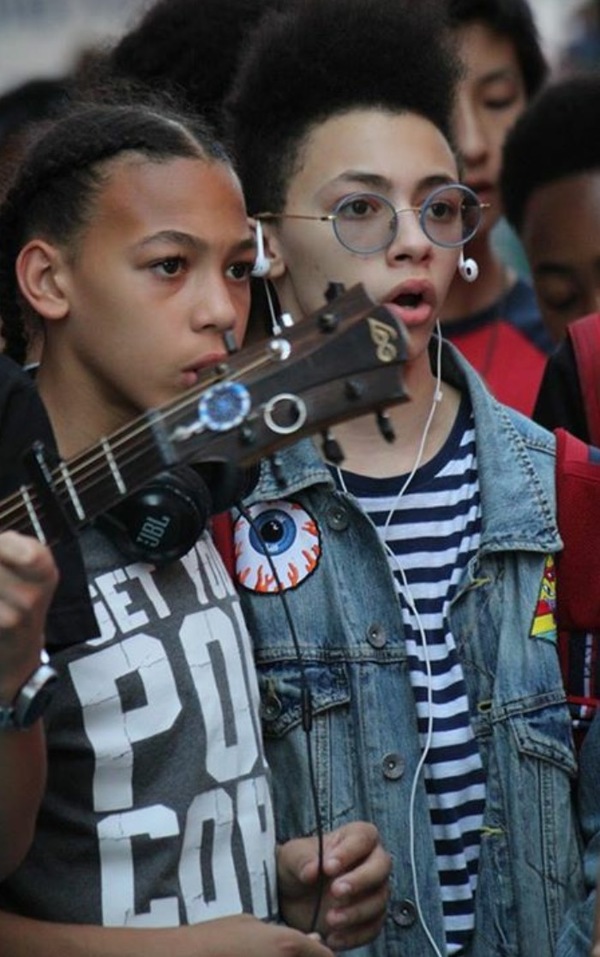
(23, 420)
(560, 402)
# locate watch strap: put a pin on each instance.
(32, 698)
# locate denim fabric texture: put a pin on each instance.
(364, 736)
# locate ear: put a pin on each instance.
(39, 269)
(273, 250)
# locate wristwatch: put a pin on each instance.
(32, 698)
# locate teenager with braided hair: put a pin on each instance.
(126, 238)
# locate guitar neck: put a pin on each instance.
(73, 493)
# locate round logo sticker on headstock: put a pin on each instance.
(286, 533)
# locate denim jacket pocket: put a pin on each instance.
(287, 744)
(281, 693)
(543, 732)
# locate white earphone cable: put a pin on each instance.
(408, 597)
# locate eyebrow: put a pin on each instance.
(192, 242)
(502, 73)
(377, 181)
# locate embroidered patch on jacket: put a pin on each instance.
(544, 619)
(286, 533)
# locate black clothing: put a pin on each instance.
(560, 402)
(23, 420)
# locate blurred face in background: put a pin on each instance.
(491, 96)
(561, 237)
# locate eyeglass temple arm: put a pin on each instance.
(321, 219)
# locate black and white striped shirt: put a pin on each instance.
(431, 534)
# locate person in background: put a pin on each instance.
(494, 320)
(581, 50)
(189, 48)
(22, 107)
(406, 590)
(126, 238)
(551, 189)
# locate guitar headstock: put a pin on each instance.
(343, 361)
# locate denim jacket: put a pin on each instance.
(364, 734)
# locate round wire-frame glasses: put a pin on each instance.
(368, 222)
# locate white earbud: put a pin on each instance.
(262, 263)
(468, 268)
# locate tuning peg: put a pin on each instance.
(385, 426)
(334, 289)
(229, 341)
(332, 449)
(277, 469)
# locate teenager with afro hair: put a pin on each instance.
(413, 571)
(495, 321)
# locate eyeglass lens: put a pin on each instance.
(367, 222)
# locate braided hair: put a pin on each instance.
(60, 177)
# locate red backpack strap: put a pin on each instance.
(578, 512)
(578, 577)
(585, 337)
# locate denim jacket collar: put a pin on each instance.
(518, 507)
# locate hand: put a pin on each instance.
(28, 577)
(356, 891)
(245, 936)
(239, 936)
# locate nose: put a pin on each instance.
(470, 135)
(213, 306)
(410, 242)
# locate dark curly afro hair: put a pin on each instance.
(320, 58)
(190, 47)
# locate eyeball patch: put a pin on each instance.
(288, 535)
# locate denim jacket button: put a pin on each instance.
(404, 913)
(337, 518)
(270, 705)
(376, 635)
(393, 766)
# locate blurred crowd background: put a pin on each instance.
(47, 37)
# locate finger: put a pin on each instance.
(369, 875)
(315, 946)
(357, 924)
(354, 937)
(347, 846)
(26, 557)
(369, 909)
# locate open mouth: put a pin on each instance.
(409, 300)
